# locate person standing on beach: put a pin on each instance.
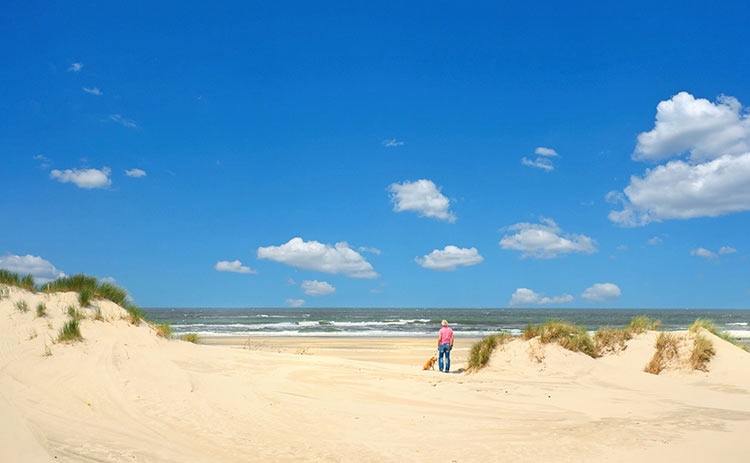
(445, 344)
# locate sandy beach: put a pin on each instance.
(126, 394)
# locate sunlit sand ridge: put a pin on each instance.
(124, 393)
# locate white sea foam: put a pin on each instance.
(368, 333)
(737, 324)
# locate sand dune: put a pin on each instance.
(125, 394)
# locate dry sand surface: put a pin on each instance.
(126, 395)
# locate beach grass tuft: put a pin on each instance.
(568, 335)
(611, 340)
(666, 349)
(703, 351)
(641, 323)
(70, 332)
(135, 313)
(84, 297)
(482, 350)
(27, 282)
(22, 306)
(98, 315)
(88, 288)
(9, 278)
(41, 310)
(164, 330)
(13, 279)
(710, 326)
(190, 337)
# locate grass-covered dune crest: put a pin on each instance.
(654, 352)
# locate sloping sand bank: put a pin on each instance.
(125, 394)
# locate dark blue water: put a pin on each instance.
(421, 322)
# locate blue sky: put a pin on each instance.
(413, 128)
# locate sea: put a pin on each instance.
(422, 322)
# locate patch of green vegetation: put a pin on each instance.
(569, 336)
(482, 350)
(703, 351)
(98, 315)
(41, 310)
(13, 279)
(135, 313)
(22, 306)
(611, 340)
(710, 326)
(641, 323)
(88, 288)
(164, 330)
(84, 297)
(666, 349)
(190, 337)
(27, 282)
(70, 332)
(74, 313)
(111, 292)
(9, 278)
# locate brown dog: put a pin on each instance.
(430, 364)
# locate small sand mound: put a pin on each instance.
(530, 358)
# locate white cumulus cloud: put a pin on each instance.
(135, 173)
(449, 258)
(540, 163)
(422, 197)
(42, 270)
(93, 91)
(312, 255)
(713, 179)
(294, 302)
(234, 266)
(727, 250)
(75, 67)
(543, 161)
(525, 297)
(84, 178)
(545, 240)
(542, 151)
(704, 130)
(703, 252)
(601, 292)
(317, 288)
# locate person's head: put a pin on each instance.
(445, 322)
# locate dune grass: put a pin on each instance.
(22, 306)
(641, 323)
(70, 332)
(703, 351)
(481, 351)
(98, 315)
(610, 340)
(568, 335)
(710, 326)
(666, 349)
(13, 279)
(9, 278)
(88, 288)
(41, 310)
(190, 337)
(135, 313)
(164, 330)
(84, 297)
(27, 282)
